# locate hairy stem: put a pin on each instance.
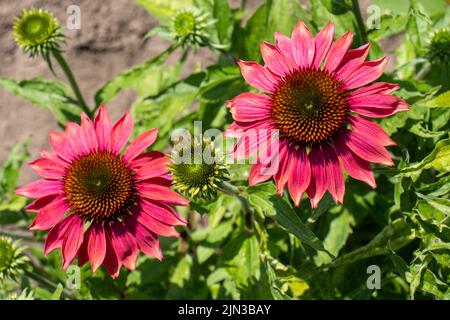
(73, 83)
(360, 22)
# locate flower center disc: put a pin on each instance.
(99, 186)
(308, 107)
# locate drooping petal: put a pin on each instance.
(275, 60)
(82, 255)
(334, 177)
(121, 132)
(284, 171)
(257, 174)
(155, 225)
(161, 193)
(50, 215)
(111, 262)
(370, 131)
(248, 107)
(337, 52)
(146, 240)
(300, 174)
(56, 235)
(302, 45)
(47, 168)
(355, 166)
(103, 128)
(318, 184)
(138, 145)
(40, 203)
(124, 245)
(96, 246)
(143, 158)
(367, 72)
(72, 241)
(258, 76)
(366, 150)
(322, 42)
(40, 188)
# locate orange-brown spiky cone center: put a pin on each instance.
(308, 107)
(99, 187)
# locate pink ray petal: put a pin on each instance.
(302, 45)
(40, 188)
(300, 174)
(153, 168)
(40, 203)
(72, 241)
(62, 146)
(377, 105)
(275, 60)
(366, 150)
(96, 246)
(82, 255)
(146, 240)
(322, 42)
(143, 158)
(125, 245)
(257, 174)
(351, 61)
(318, 184)
(248, 107)
(370, 131)
(284, 172)
(155, 225)
(47, 168)
(374, 89)
(355, 166)
(88, 133)
(162, 212)
(57, 234)
(367, 72)
(50, 215)
(138, 145)
(103, 128)
(111, 261)
(334, 176)
(121, 132)
(284, 44)
(337, 52)
(161, 193)
(73, 134)
(258, 76)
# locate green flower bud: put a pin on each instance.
(37, 32)
(189, 27)
(11, 258)
(194, 175)
(439, 49)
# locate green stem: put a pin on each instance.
(73, 83)
(360, 22)
(46, 283)
(231, 189)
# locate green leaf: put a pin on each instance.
(420, 131)
(395, 235)
(47, 94)
(164, 10)
(241, 259)
(131, 78)
(10, 169)
(58, 291)
(224, 16)
(439, 158)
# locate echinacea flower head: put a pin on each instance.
(318, 97)
(439, 48)
(37, 32)
(197, 171)
(12, 260)
(122, 199)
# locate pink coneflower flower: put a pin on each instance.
(122, 200)
(318, 97)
